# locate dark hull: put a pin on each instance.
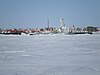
(11, 33)
(80, 33)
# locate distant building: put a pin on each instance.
(62, 25)
(90, 29)
(98, 29)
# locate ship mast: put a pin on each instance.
(48, 23)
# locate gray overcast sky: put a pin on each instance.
(33, 13)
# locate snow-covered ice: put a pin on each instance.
(50, 55)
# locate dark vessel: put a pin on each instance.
(13, 33)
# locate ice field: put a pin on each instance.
(50, 54)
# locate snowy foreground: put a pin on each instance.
(50, 55)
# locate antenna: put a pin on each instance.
(48, 21)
